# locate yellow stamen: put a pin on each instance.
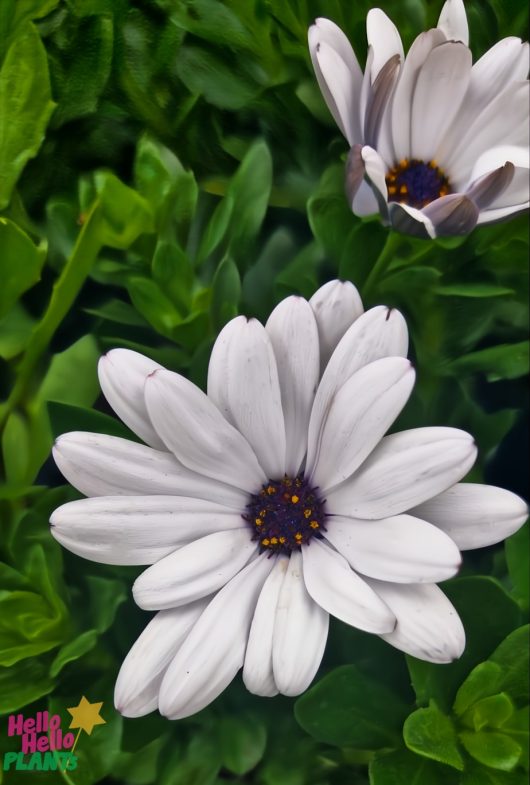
(266, 542)
(274, 541)
(295, 499)
(298, 536)
(314, 524)
(258, 521)
(307, 513)
(282, 540)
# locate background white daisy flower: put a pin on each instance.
(276, 500)
(438, 144)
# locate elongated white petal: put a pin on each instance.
(452, 215)
(336, 83)
(380, 332)
(402, 100)
(475, 515)
(258, 675)
(375, 172)
(100, 465)
(339, 590)
(453, 21)
(359, 415)
(325, 31)
(505, 62)
(403, 471)
(410, 220)
(194, 571)
(401, 549)
(243, 383)
(300, 632)
(214, 650)
(440, 89)
(518, 189)
(122, 374)
(364, 202)
(428, 626)
(501, 213)
(336, 305)
(137, 529)
(142, 671)
(293, 333)
(383, 36)
(197, 433)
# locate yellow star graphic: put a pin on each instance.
(85, 715)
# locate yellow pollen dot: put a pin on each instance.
(271, 489)
(263, 513)
(392, 189)
(295, 499)
(307, 513)
(298, 536)
(258, 521)
(403, 189)
(314, 524)
(274, 541)
(282, 540)
(266, 542)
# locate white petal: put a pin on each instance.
(364, 202)
(243, 383)
(505, 62)
(453, 21)
(501, 213)
(293, 333)
(214, 650)
(403, 471)
(383, 36)
(140, 676)
(137, 529)
(402, 100)
(428, 626)
(401, 549)
(375, 172)
(100, 465)
(475, 515)
(360, 414)
(300, 633)
(518, 190)
(503, 121)
(339, 590)
(380, 332)
(258, 675)
(440, 88)
(197, 433)
(194, 571)
(410, 220)
(336, 306)
(338, 85)
(122, 374)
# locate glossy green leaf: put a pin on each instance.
(72, 375)
(206, 74)
(126, 215)
(16, 449)
(478, 289)
(348, 708)
(105, 595)
(217, 227)
(506, 361)
(492, 749)
(484, 680)
(149, 299)
(491, 712)
(72, 650)
(250, 189)
(517, 548)
(25, 106)
(21, 263)
(23, 683)
(513, 658)
(226, 291)
(405, 767)
(431, 733)
(477, 774)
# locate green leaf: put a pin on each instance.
(215, 22)
(226, 291)
(105, 595)
(73, 650)
(217, 227)
(477, 289)
(348, 708)
(15, 330)
(430, 733)
(72, 375)
(492, 749)
(125, 214)
(21, 262)
(484, 680)
(517, 549)
(16, 449)
(489, 614)
(476, 774)
(149, 299)
(64, 418)
(513, 657)
(329, 216)
(505, 361)
(243, 741)
(119, 312)
(25, 106)
(205, 74)
(198, 763)
(517, 727)
(23, 683)
(173, 272)
(405, 767)
(491, 712)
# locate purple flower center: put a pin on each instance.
(416, 183)
(285, 514)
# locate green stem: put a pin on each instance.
(64, 293)
(387, 253)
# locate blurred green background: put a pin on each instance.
(165, 165)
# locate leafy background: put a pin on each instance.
(165, 165)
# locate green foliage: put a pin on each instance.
(164, 166)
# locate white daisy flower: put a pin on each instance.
(438, 144)
(274, 501)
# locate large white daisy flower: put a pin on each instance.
(274, 501)
(438, 145)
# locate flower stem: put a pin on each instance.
(392, 243)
